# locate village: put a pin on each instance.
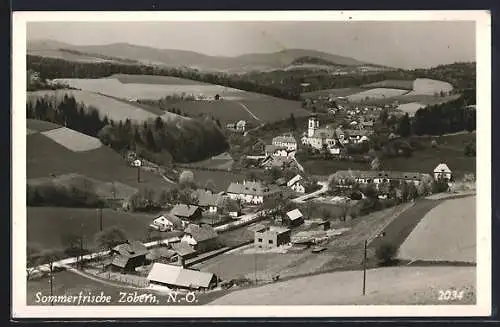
(275, 216)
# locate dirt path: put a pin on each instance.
(249, 112)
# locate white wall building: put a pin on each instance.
(317, 137)
(442, 171)
(287, 141)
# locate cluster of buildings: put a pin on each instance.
(239, 126)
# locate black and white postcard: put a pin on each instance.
(251, 164)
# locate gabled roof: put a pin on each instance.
(294, 214)
(207, 198)
(178, 276)
(184, 210)
(131, 250)
(167, 217)
(120, 261)
(160, 252)
(294, 180)
(281, 181)
(326, 133)
(271, 148)
(183, 249)
(284, 139)
(442, 168)
(201, 233)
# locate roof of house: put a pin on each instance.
(183, 249)
(355, 132)
(278, 162)
(294, 214)
(184, 210)
(272, 148)
(281, 181)
(208, 199)
(442, 168)
(250, 188)
(326, 133)
(294, 180)
(167, 217)
(201, 233)
(160, 252)
(257, 227)
(131, 249)
(241, 123)
(178, 276)
(284, 139)
(120, 261)
(378, 174)
(274, 229)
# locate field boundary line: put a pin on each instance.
(249, 112)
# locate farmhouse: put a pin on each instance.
(166, 222)
(343, 177)
(208, 200)
(317, 137)
(241, 126)
(294, 218)
(186, 212)
(176, 277)
(251, 192)
(129, 255)
(442, 171)
(278, 162)
(276, 151)
(201, 238)
(287, 141)
(271, 237)
(296, 184)
(161, 254)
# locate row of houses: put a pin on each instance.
(239, 126)
(342, 177)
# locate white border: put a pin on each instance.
(483, 57)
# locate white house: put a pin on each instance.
(209, 201)
(296, 184)
(166, 222)
(378, 177)
(241, 126)
(287, 141)
(276, 151)
(442, 171)
(251, 192)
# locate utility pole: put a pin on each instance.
(51, 282)
(255, 265)
(100, 218)
(364, 267)
(81, 245)
(138, 174)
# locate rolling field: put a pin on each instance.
(392, 84)
(136, 88)
(376, 93)
(36, 125)
(154, 79)
(46, 157)
(114, 109)
(73, 140)
(433, 240)
(47, 225)
(389, 286)
(428, 86)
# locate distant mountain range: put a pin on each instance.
(129, 53)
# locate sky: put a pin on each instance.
(397, 44)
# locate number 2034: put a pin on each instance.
(450, 295)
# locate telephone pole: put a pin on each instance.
(364, 267)
(99, 212)
(51, 282)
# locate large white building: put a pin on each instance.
(251, 192)
(287, 141)
(318, 137)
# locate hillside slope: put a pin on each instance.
(181, 58)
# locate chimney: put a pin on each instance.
(180, 261)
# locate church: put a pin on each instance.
(319, 138)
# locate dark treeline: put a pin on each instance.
(183, 140)
(61, 196)
(460, 75)
(450, 117)
(50, 68)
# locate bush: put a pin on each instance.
(385, 253)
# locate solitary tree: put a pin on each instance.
(375, 164)
(186, 177)
(404, 127)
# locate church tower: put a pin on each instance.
(313, 125)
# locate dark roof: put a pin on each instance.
(183, 249)
(201, 233)
(173, 219)
(160, 252)
(207, 198)
(184, 210)
(120, 261)
(131, 250)
(281, 181)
